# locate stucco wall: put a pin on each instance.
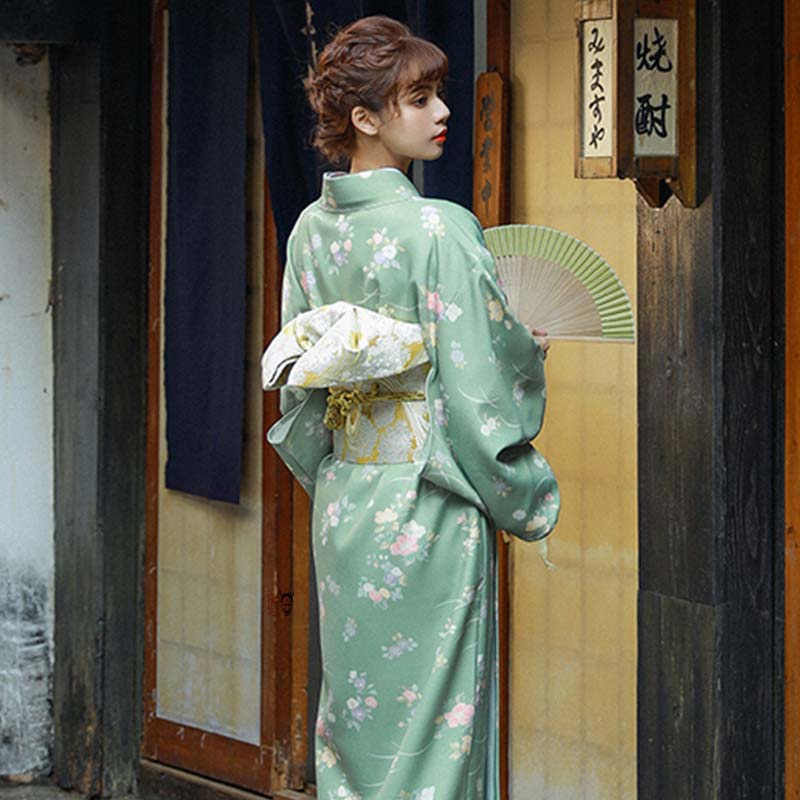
(573, 660)
(26, 419)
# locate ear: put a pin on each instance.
(365, 121)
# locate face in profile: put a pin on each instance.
(416, 127)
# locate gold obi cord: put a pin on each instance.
(345, 405)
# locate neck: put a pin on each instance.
(360, 165)
(368, 155)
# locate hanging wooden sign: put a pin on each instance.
(597, 143)
(655, 88)
(489, 168)
(645, 87)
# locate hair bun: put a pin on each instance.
(369, 62)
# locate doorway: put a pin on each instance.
(225, 660)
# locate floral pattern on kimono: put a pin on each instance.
(403, 540)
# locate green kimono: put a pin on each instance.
(392, 299)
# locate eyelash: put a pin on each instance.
(441, 93)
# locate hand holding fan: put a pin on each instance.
(556, 282)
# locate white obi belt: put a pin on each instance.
(374, 368)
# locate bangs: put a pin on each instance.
(421, 64)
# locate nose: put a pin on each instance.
(442, 111)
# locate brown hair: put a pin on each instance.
(371, 62)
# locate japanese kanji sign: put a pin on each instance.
(636, 103)
(655, 87)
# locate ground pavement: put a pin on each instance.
(36, 792)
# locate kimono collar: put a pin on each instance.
(352, 190)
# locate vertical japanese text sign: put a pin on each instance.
(665, 110)
(658, 38)
(636, 98)
(597, 140)
(488, 196)
(655, 87)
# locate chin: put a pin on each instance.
(432, 156)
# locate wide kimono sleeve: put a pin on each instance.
(300, 437)
(489, 385)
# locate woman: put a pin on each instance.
(410, 396)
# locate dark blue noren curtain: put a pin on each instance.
(205, 268)
(288, 30)
(293, 168)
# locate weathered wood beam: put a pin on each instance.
(709, 446)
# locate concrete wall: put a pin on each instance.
(573, 665)
(26, 419)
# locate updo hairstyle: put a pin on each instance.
(371, 62)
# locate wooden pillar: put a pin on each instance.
(792, 398)
(498, 59)
(78, 567)
(99, 163)
(709, 359)
(124, 130)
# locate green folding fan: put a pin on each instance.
(556, 282)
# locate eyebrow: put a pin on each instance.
(416, 87)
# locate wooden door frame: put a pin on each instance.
(291, 665)
(498, 59)
(175, 753)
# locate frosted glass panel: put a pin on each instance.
(209, 583)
